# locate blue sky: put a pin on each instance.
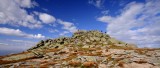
(24, 22)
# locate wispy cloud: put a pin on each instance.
(138, 23)
(14, 46)
(17, 32)
(24, 42)
(3, 44)
(63, 33)
(53, 30)
(96, 3)
(105, 12)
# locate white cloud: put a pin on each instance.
(38, 36)
(63, 33)
(96, 3)
(3, 44)
(53, 30)
(26, 3)
(105, 12)
(20, 42)
(25, 42)
(46, 18)
(13, 12)
(14, 46)
(68, 26)
(138, 23)
(17, 32)
(107, 19)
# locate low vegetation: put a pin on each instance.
(85, 49)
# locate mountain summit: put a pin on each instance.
(85, 49)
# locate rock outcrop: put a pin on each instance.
(85, 49)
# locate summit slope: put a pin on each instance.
(85, 49)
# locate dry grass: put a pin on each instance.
(45, 65)
(71, 56)
(74, 63)
(7, 62)
(13, 61)
(141, 61)
(89, 64)
(52, 50)
(121, 64)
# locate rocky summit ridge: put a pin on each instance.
(85, 49)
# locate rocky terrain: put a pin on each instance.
(85, 49)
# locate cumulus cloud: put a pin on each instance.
(17, 32)
(46, 18)
(13, 12)
(96, 3)
(138, 23)
(67, 26)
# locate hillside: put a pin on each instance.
(85, 49)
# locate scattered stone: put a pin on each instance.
(85, 49)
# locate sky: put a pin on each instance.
(23, 23)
